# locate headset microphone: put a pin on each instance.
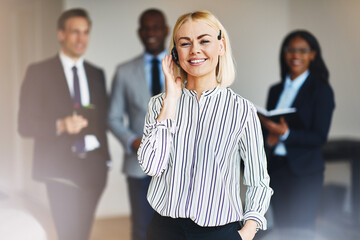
(175, 56)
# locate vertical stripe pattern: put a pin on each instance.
(195, 159)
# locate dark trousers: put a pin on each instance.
(73, 209)
(165, 228)
(141, 211)
(296, 198)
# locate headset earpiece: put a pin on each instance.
(174, 55)
(219, 36)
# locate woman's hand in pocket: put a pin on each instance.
(248, 231)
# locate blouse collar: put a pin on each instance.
(207, 93)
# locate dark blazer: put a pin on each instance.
(44, 99)
(309, 127)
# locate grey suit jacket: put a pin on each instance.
(129, 99)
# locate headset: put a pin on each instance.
(174, 53)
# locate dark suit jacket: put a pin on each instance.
(44, 99)
(309, 127)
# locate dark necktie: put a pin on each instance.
(79, 145)
(77, 95)
(156, 89)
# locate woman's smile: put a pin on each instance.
(197, 61)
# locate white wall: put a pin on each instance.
(256, 30)
(28, 34)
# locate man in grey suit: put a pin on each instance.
(134, 83)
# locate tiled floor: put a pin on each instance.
(111, 229)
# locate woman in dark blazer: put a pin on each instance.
(294, 145)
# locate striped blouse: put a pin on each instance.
(195, 159)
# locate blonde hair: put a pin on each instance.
(225, 70)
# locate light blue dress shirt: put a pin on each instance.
(286, 100)
(148, 58)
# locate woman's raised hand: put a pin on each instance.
(172, 86)
(173, 90)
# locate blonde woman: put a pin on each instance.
(195, 135)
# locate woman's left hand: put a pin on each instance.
(272, 139)
(274, 127)
(248, 231)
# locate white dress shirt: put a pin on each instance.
(195, 159)
(286, 100)
(91, 141)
